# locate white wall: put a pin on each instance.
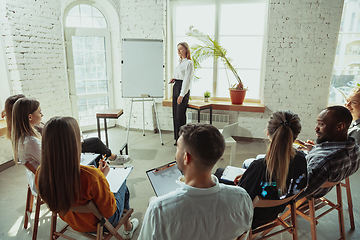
(301, 44)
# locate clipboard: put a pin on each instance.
(117, 176)
(163, 178)
(231, 172)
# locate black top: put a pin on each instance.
(255, 183)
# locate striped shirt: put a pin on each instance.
(330, 161)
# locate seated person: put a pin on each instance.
(335, 156)
(91, 145)
(200, 208)
(353, 104)
(281, 172)
(64, 183)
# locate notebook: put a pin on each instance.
(231, 172)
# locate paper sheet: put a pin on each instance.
(231, 172)
(117, 176)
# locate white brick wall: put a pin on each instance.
(35, 51)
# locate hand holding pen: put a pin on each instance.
(308, 145)
(103, 166)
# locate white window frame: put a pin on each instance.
(171, 45)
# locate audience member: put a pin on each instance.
(64, 183)
(200, 208)
(335, 156)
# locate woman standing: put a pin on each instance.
(183, 75)
(353, 104)
(64, 183)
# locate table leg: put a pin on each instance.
(198, 116)
(98, 127)
(210, 115)
(106, 135)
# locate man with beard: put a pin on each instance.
(201, 208)
(335, 156)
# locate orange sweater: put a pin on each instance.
(95, 187)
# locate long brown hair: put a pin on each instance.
(9, 103)
(283, 128)
(21, 126)
(59, 172)
(186, 46)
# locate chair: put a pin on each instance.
(228, 132)
(258, 202)
(90, 207)
(307, 210)
(29, 205)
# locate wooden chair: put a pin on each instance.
(265, 203)
(306, 208)
(29, 205)
(90, 207)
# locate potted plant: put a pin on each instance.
(211, 48)
(206, 96)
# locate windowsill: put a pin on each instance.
(2, 127)
(252, 106)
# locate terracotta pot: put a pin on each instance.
(237, 96)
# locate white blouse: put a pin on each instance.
(30, 151)
(184, 71)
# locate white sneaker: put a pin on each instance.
(134, 225)
(120, 159)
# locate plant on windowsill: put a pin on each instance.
(206, 96)
(211, 48)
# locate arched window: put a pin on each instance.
(89, 63)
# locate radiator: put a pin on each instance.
(218, 120)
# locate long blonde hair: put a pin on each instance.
(9, 104)
(21, 126)
(59, 172)
(283, 128)
(186, 46)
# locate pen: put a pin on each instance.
(299, 144)
(104, 159)
(162, 168)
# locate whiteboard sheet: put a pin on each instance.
(163, 181)
(142, 68)
(117, 176)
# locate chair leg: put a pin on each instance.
(99, 235)
(53, 225)
(350, 204)
(36, 220)
(28, 207)
(294, 220)
(312, 219)
(340, 212)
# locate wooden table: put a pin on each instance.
(107, 113)
(199, 106)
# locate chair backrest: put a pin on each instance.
(30, 167)
(265, 203)
(330, 184)
(229, 130)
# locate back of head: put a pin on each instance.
(59, 174)
(204, 142)
(283, 128)
(21, 127)
(341, 114)
(9, 103)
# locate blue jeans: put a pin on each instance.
(122, 202)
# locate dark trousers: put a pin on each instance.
(179, 110)
(95, 145)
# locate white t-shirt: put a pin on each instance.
(220, 212)
(30, 151)
(184, 71)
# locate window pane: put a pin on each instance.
(346, 73)
(88, 107)
(199, 86)
(86, 16)
(201, 17)
(248, 18)
(244, 51)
